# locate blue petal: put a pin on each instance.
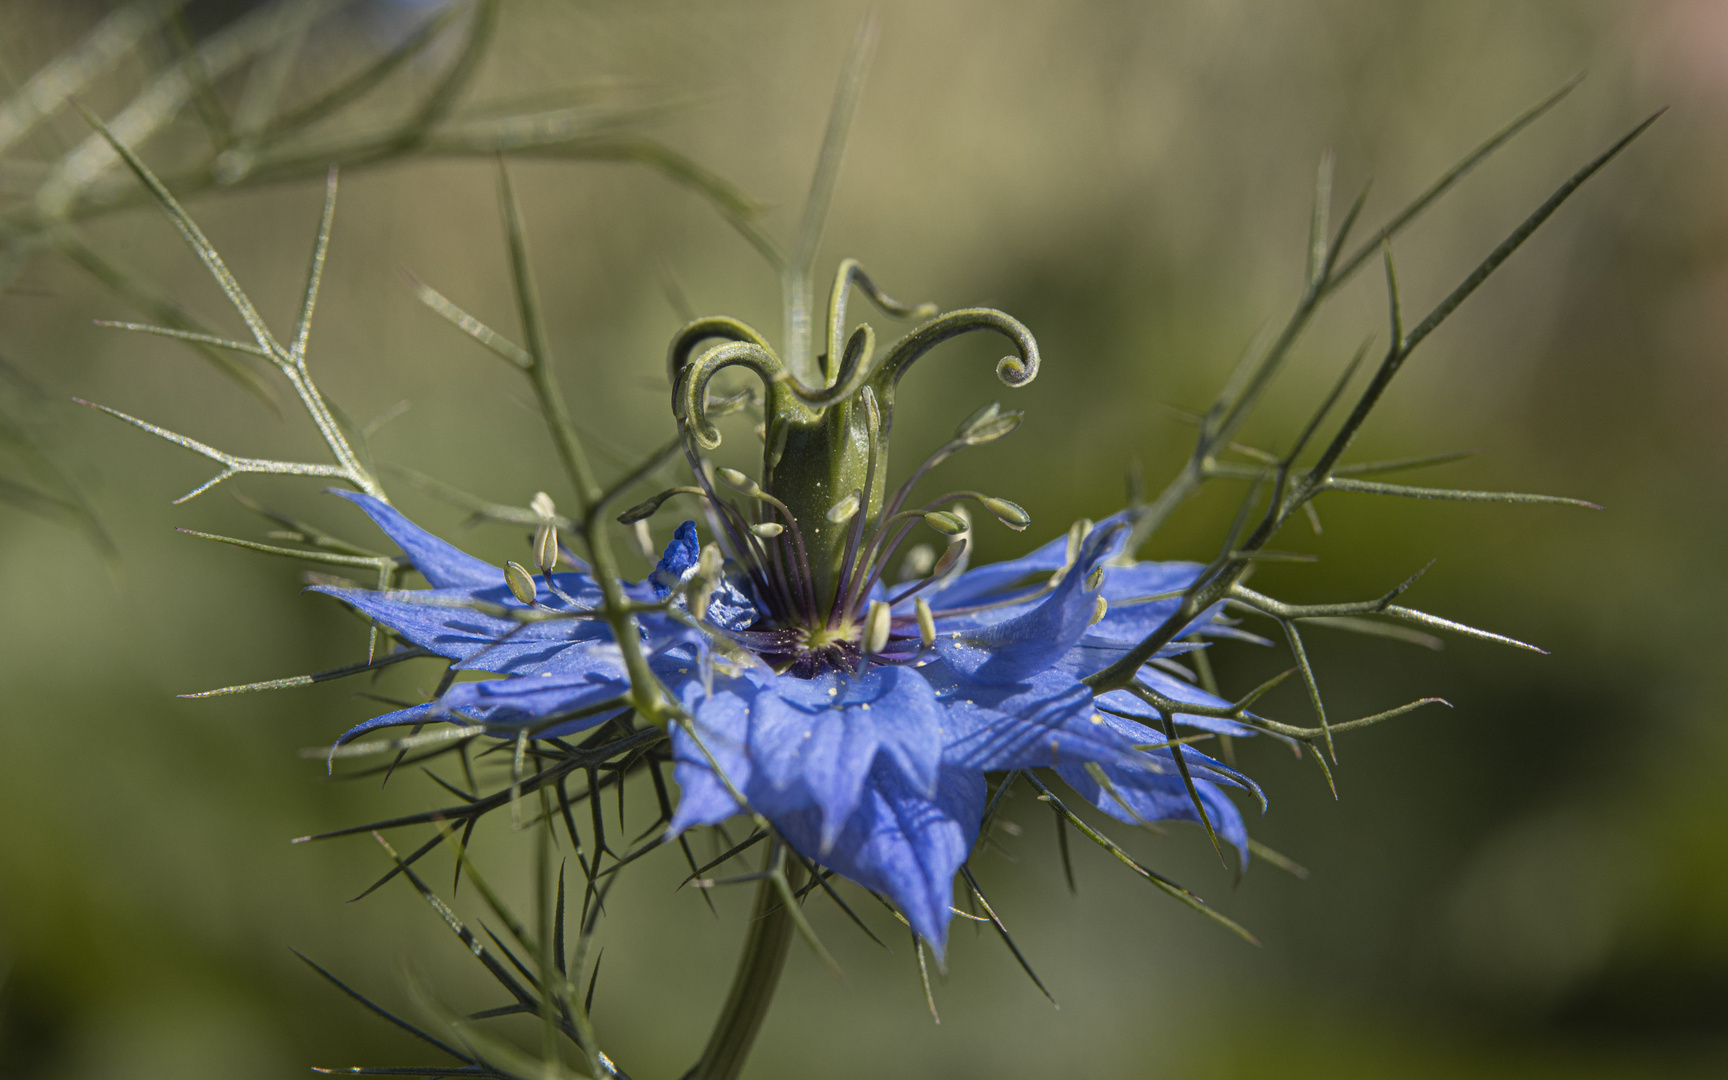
(730, 608)
(442, 564)
(1090, 657)
(904, 844)
(722, 722)
(823, 736)
(1000, 581)
(430, 712)
(1163, 761)
(1171, 687)
(525, 701)
(1008, 651)
(679, 559)
(442, 621)
(1128, 622)
(446, 622)
(510, 702)
(1046, 720)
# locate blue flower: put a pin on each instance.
(871, 763)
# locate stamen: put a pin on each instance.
(1011, 514)
(736, 532)
(850, 568)
(1077, 533)
(786, 563)
(806, 578)
(546, 547)
(876, 627)
(741, 481)
(984, 426)
(521, 582)
(1099, 607)
(758, 552)
(943, 565)
(987, 425)
(699, 466)
(879, 555)
(944, 523)
(647, 508)
(845, 509)
(860, 588)
(799, 573)
(926, 623)
(843, 601)
(708, 570)
(1025, 598)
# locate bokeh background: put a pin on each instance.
(1533, 884)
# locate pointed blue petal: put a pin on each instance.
(520, 702)
(1131, 616)
(508, 702)
(442, 621)
(1045, 720)
(430, 712)
(998, 581)
(442, 564)
(1163, 761)
(722, 724)
(823, 735)
(436, 619)
(903, 844)
(1122, 701)
(1008, 651)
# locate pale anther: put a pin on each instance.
(844, 510)
(876, 626)
(521, 582)
(546, 547)
(926, 623)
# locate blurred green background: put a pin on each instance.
(1533, 884)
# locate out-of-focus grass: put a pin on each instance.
(1530, 885)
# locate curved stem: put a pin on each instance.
(753, 984)
(690, 395)
(1014, 371)
(693, 334)
(852, 275)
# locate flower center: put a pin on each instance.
(817, 530)
(807, 652)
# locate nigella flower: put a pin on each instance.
(856, 722)
(859, 720)
(872, 765)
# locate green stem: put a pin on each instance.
(753, 983)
